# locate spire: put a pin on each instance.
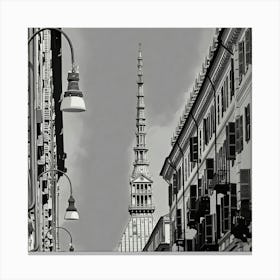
(141, 163)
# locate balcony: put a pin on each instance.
(141, 209)
(219, 182)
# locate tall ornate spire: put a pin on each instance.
(141, 207)
(141, 163)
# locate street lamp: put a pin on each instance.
(71, 211)
(73, 98)
(71, 248)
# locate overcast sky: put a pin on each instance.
(99, 142)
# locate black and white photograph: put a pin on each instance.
(140, 140)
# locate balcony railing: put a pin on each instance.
(138, 208)
(219, 182)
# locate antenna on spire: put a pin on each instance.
(140, 50)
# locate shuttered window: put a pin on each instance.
(241, 132)
(247, 123)
(248, 47)
(232, 79)
(241, 60)
(175, 184)
(170, 195)
(209, 230)
(245, 185)
(210, 168)
(179, 223)
(230, 139)
(226, 213)
(233, 199)
(194, 149)
(193, 194)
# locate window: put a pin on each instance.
(230, 136)
(247, 123)
(194, 148)
(231, 80)
(179, 223)
(245, 194)
(210, 168)
(241, 60)
(248, 47)
(170, 195)
(226, 213)
(245, 53)
(205, 135)
(239, 134)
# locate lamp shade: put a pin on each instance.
(71, 248)
(71, 211)
(73, 98)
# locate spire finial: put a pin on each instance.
(139, 50)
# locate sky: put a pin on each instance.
(99, 142)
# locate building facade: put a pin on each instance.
(160, 237)
(209, 166)
(45, 138)
(141, 207)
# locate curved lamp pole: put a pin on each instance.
(71, 248)
(73, 98)
(71, 211)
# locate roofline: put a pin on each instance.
(195, 102)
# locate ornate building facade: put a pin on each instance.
(141, 207)
(209, 166)
(45, 138)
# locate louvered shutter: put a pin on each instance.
(205, 136)
(179, 223)
(230, 140)
(194, 149)
(233, 199)
(247, 123)
(248, 46)
(226, 213)
(245, 186)
(170, 195)
(237, 136)
(245, 194)
(209, 229)
(241, 60)
(199, 189)
(241, 132)
(175, 185)
(232, 79)
(210, 168)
